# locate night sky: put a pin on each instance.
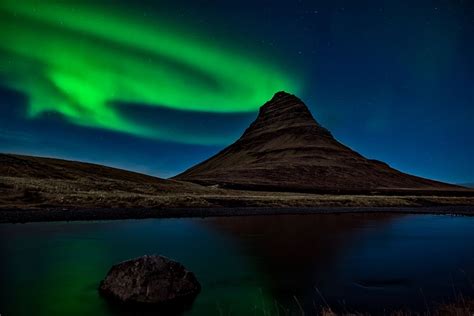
(159, 87)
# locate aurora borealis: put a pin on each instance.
(87, 60)
(158, 86)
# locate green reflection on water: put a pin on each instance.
(56, 267)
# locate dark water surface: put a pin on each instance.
(246, 265)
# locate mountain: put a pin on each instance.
(48, 189)
(40, 168)
(45, 183)
(285, 149)
(467, 185)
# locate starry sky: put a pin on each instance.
(156, 87)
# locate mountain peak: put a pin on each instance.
(283, 94)
(281, 101)
(284, 111)
(286, 149)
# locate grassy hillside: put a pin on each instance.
(45, 183)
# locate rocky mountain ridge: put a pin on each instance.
(286, 149)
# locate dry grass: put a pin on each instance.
(19, 192)
(461, 307)
(33, 182)
(455, 309)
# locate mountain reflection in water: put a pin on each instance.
(246, 265)
(298, 254)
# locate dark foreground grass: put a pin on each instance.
(461, 307)
(32, 199)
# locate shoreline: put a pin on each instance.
(12, 216)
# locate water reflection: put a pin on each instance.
(298, 253)
(246, 265)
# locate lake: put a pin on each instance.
(248, 265)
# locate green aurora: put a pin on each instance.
(79, 60)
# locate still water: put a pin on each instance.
(259, 265)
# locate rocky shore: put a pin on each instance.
(50, 215)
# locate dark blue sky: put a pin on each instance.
(393, 80)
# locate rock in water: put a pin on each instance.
(150, 280)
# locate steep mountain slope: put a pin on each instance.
(286, 149)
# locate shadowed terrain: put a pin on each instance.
(30, 167)
(27, 181)
(285, 149)
(35, 188)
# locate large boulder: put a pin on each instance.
(150, 280)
